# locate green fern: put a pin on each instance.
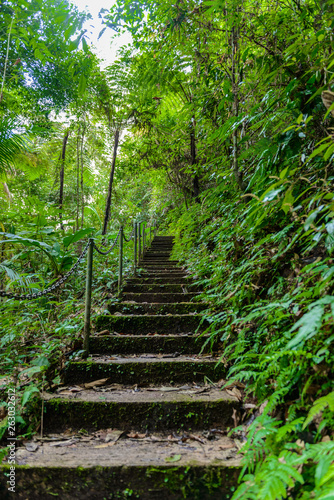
(319, 406)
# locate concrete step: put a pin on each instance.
(145, 324)
(159, 297)
(163, 288)
(159, 344)
(153, 409)
(154, 279)
(159, 308)
(145, 370)
(145, 469)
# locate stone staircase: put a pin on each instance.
(143, 417)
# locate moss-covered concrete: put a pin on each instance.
(170, 482)
(160, 288)
(156, 280)
(139, 324)
(62, 414)
(159, 297)
(139, 344)
(136, 372)
(159, 308)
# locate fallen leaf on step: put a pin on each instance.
(196, 438)
(136, 435)
(104, 332)
(234, 392)
(31, 446)
(64, 443)
(69, 390)
(173, 458)
(96, 383)
(227, 446)
(113, 436)
(235, 417)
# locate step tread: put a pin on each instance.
(118, 393)
(148, 358)
(92, 450)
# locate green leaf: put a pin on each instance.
(82, 84)
(173, 458)
(288, 201)
(307, 327)
(319, 406)
(77, 236)
(28, 392)
(85, 45)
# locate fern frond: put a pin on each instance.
(319, 406)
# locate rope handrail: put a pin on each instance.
(50, 288)
(101, 252)
(139, 236)
(130, 237)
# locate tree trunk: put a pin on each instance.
(194, 160)
(6, 190)
(111, 179)
(78, 180)
(61, 178)
(6, 60)
(235, 90)
(82, 174)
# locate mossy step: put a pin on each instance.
(158, 253)
(159, 262)
(159, 297)
(159, 323)
(163, 288)
(139, 344)
(143, 273)
(144, 370)
(143, 411)
(157, 280)
(159, 308)
(77, 474)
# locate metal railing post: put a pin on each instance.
(135, 248)
(88, 301)
(120, 265)
(139, 243)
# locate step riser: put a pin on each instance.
(181, 308)
(160, 281)
(165, 288)
(61, 415)
(150, 324)
(161, 372)
(159, 297)
(148, 482)
(135, 344)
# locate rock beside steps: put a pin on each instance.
(144, 416)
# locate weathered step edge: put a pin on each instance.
(62, 414)
(142, 373)
(170, 482)
(140, 344)
(139, 324)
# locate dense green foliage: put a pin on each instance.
(226, 115)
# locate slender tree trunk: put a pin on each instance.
(111, 180)
(235, 90)
(8, 193)
(193, 160)
(61, 178)
(6, 60)
(78, 180)
(82, 175)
